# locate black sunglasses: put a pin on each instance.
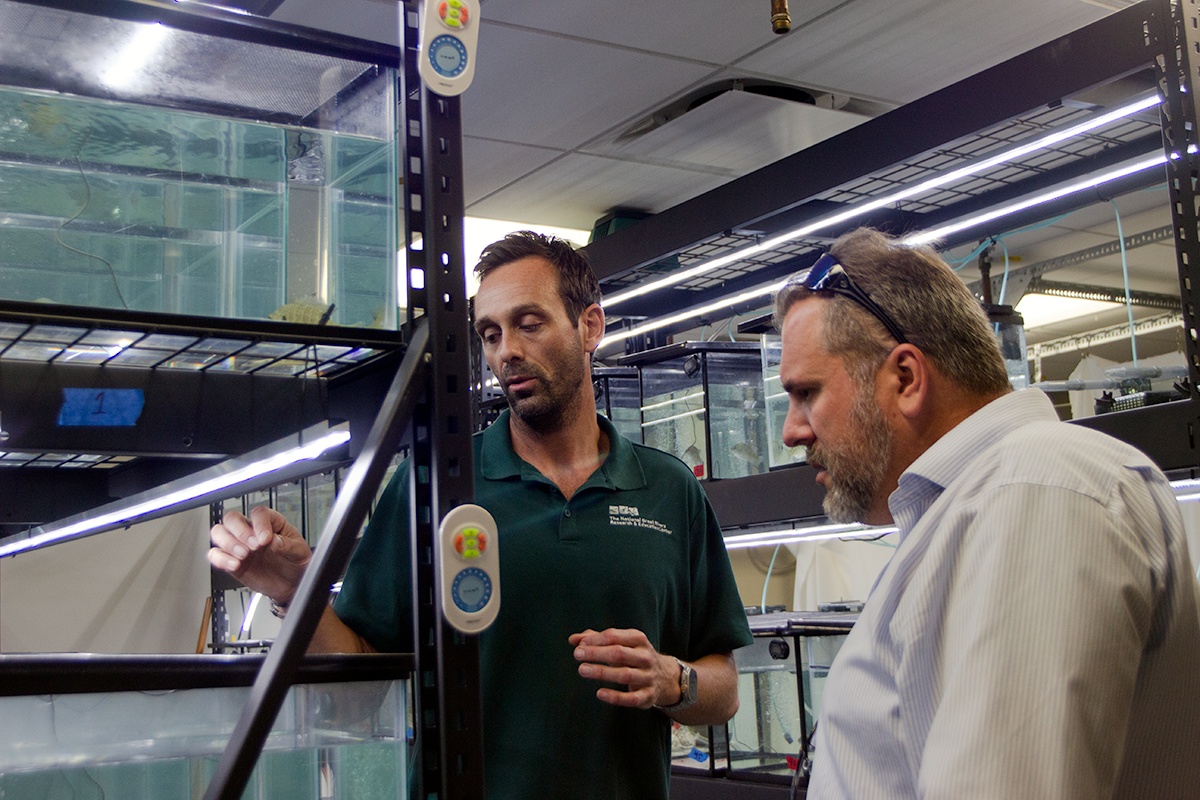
(827, 275)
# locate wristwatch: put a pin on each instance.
(687, 688)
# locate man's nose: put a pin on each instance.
(509, 349)
(796, 428)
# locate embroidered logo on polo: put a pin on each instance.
(629, 515)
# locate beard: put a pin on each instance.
(546, 407)
(856, 469)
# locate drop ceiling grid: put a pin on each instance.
(550, 91)
(582, 188)
(900, 51)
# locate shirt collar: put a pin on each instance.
(945, 460)
(622, 469)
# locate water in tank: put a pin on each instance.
(158, 169)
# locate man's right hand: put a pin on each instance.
(264, 552)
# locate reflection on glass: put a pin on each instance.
(343, 740)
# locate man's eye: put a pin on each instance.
(532, 326)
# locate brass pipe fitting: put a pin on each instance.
(781, 20)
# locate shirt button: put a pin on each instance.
(567, 513)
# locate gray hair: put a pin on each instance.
(934, 309)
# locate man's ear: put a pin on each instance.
(591, 323)
(909, 373)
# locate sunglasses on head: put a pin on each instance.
(827, 275)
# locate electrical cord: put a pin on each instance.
(767, 580)
(87, 202)
(1125, 275)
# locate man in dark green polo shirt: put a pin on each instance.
(617, 588)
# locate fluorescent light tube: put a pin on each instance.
(249, 618)
(815, 533)
(676, 416)
(1029, 202)
(130, 514)
(694, 312)
(920, 238)
(935, 182)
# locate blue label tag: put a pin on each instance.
(101, 407)
(698, 754)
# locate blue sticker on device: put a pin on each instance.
(103, 408)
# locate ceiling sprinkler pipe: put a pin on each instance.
(781, 20)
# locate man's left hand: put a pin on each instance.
(625, 656)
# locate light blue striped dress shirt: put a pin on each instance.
(1035, 635)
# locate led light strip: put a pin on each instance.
(695, 312)
(921, 238)
(935, 182)
(1030, 202)
(684, 398)
(675, 416)
(128, 515)
(814, 534)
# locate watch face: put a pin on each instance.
(688, 684)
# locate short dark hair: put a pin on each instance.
(577, 284)
(917, 288)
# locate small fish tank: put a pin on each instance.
(155, 727)
(778, 453)
(618, 399)
(204, 165)
(781, 679)
(703, 402)
(699, 750)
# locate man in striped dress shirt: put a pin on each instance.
(1036, 633)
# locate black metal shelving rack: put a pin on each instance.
(424, 397)
(1151, 45)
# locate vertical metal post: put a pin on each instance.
(449, 707)
(800, 696)
(1172, 25)
(706, 403)
(220, 632)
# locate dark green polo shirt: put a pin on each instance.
(637, 546)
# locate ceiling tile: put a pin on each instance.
(898, 52)
(489, 165)
(546, 90)
(737, 132)
(581, 188)
(713, 31)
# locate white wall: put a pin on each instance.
(139, 590)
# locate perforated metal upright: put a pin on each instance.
(447, 694)
(1178, 69)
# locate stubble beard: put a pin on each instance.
(549, 406)
(856, 470)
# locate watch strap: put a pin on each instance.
(687, 688)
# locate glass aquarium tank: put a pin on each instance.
(348, 739)
(778, 454)
(703, 402)
(153, 167)
(617, 397)
(781, 679)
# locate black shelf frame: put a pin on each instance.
(425, 401)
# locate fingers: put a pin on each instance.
(222, 560)
(615, 646)
(236, 537)
(267, 523)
